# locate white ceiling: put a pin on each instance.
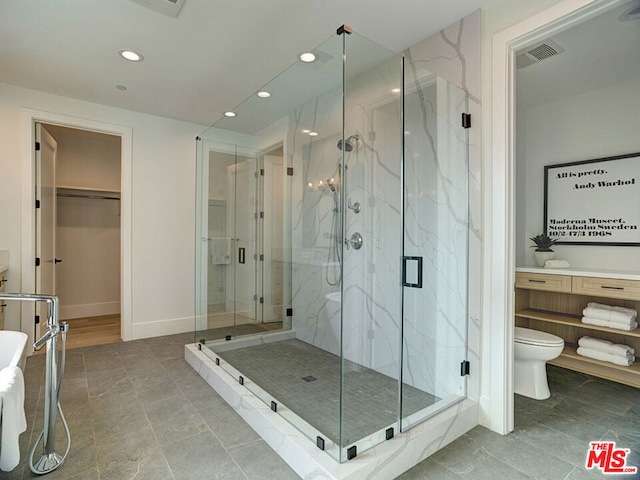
(600, 52)
(200, 64)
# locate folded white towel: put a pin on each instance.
(606, 346)
(606, 323)
(605, 357)
(220, 250)
(14, 421)
(556, 264)
(608, 312)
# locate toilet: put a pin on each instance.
(533, 349)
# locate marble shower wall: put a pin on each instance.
(438, 317)
(454, 54)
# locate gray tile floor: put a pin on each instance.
(307, 380)
(138, 411)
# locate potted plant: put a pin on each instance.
(543, 244)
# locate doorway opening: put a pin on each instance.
(78, 229)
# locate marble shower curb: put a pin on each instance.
(385, 461)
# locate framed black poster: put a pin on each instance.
(594, 202)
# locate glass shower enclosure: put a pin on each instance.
(331, 252)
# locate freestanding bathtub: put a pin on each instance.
(12, 349)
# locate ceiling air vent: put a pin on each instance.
(538, 52)
(167, 7)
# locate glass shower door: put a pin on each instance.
(227, 251)
(435, 244)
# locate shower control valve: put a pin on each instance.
(355, 207)
(355, 241)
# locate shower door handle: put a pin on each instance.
(416, 275)
(241, 254)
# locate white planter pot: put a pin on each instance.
(542, 257)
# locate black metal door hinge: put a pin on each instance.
(37, 319)
(289, 312)
(37, 203)
(37, 146)
(37, 261)
(290, 171)
(466, 120)
(464, 368)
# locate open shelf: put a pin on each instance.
(610, 371)
(86, 189)
(555, 307)
(571, 320)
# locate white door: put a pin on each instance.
(45, 218)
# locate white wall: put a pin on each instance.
(163, 192)
(597, 124)
(86, 159)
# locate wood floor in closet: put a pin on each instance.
(86, 332)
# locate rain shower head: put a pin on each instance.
(348, 144)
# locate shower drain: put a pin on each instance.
(309, 378)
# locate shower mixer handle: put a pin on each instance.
(355, 241)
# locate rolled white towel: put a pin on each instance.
(606, 323)
(556, 264)
(606, 346)
(605, 357)
(632, 325)
(608, 312)
(14, 421)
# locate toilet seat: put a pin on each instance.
(528, 336)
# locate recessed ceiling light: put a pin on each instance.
(131, 55)
(264, 94)
(121, 87)
(307, 57)
(306, 130)
(229, 114)
(395, 90)
(313, 134)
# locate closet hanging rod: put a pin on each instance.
(93, 197)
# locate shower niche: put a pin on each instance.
(340, 199)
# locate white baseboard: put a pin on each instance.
(89, 310)
(159, 328)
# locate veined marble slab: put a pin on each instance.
(383, 462)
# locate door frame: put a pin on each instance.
(499, 200)
(29, 118)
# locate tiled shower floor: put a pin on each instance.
(307, 380)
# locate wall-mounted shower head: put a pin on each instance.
(349, 143)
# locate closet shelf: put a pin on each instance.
(87, 189)
(87, 192)
(571, 320)
(610, 371)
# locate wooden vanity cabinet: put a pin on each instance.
(553, 302)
